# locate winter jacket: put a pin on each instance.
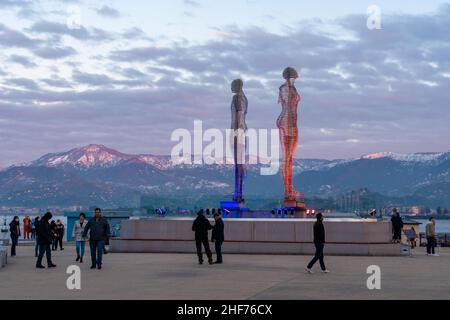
(319, 232)
(59, 230)
(44, 232)
(201, 226)
(397, 222)
(430, 230)
(14, 228)
(98, 229)
(218, 233)
(78, 229)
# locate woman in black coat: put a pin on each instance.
(397, 226)
(14, 229)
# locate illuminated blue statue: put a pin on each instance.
(239, 107)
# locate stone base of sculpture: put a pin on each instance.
(260, 236)
(299, 207)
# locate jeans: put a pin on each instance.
(96, 252)
(205, 244)
(14, 243)
(80, 245)
(44, 248)
(318, 256)
(218, 247)
(431, 244)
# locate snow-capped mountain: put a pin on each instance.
(412, 157)
(95, 155)
(97, 175)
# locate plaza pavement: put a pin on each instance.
(178, 276)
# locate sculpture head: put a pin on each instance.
(237, 85)
(290, 74)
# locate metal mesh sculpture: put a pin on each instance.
(239, 107)
(287, 124)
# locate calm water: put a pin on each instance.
(442, 226)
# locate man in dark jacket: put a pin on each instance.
(99, 231)
(44, 239)
(218, 236)
(319, 243)
(201, 226)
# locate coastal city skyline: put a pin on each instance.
(127, 74)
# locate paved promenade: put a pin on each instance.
(178, 276)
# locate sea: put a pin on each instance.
(442, 226)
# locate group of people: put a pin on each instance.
(97, 231)
(49, 234)
(430, 233)
(201, 226)
(29, 228)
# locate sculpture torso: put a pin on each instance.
(289, 99)
(239, 111)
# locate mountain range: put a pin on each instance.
(97, 175)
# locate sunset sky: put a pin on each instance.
(136, 70)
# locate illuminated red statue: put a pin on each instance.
(287, 124)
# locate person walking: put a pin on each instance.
(44, 236)
(26, 228)
(218, 237)
(77, 234)
(98, 228)
(14, 229)
(430, 233)
(36, 245)
(319, 243)
(59, 231)
(201, 226)
(397, 226)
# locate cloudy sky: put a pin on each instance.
(127, 73)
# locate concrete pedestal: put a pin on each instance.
(260, 236)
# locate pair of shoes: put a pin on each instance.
(52, 265)
(99, 267)
(40, 266)
(210, 262)
(200, 262)
(81, 260)
(62, 249)
(309, 270)
(93, 267)
(78, 259)
(325, 271)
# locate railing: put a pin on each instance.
(442, 239)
